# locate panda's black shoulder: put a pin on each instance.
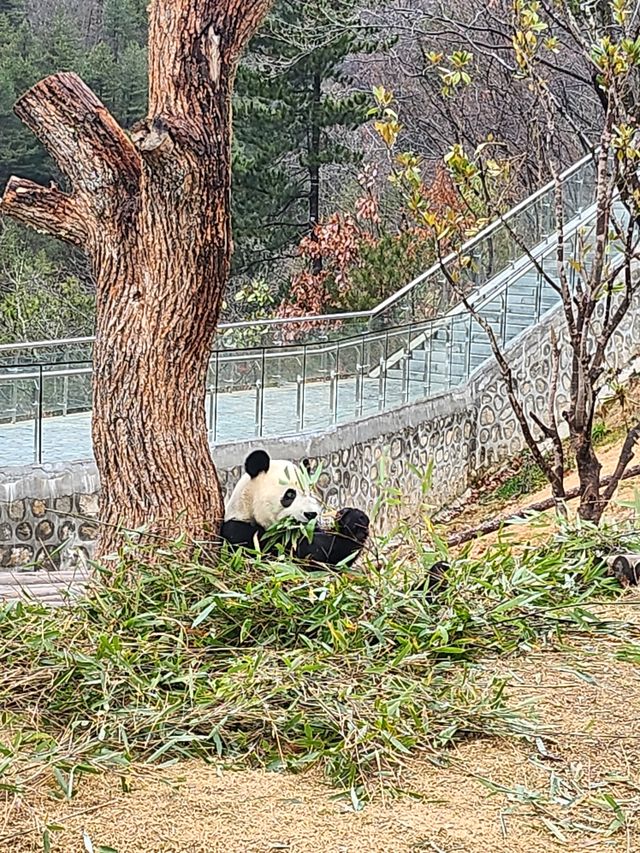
(257, 462)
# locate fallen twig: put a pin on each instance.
(496, 523)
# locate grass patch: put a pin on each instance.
(529, 478)
(258, 661)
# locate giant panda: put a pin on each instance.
(273, 489)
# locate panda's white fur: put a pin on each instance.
(266, 497)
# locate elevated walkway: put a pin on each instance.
(349, 365)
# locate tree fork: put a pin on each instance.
(152, 212)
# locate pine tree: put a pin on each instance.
(116, 67)
(60, 46)
(19, 150)
(124, 23)
(14, 8)
(289, 110)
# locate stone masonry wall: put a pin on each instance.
(45, 507)
(48, 512)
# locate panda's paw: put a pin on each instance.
(435, 581)
(353, 523)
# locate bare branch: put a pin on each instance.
(510, 383)
(626, 455)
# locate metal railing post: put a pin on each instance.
(450, 344)
(538, 294)
(360, 381)
(262, 392)
(38, 420)
(299, 400)
(14, 401)
(304, 386)
(258, 408)
(428, 359)
(386, 368)
(468, 353)
(333, 395)
(209, 402)
(504, 299)
(381, 382)
(215, 399)
(65, 396)
(333, 386)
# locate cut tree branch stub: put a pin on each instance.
(45, 209)
(89, 146)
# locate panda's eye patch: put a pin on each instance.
(288, 498)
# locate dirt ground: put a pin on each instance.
(576, 787)
(545, 523)
(517, 796)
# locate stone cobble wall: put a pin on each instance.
(48, 513)
(44, 510)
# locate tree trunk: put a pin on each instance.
(315, 142)
(153, 214)
(589, 469)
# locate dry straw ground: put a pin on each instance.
(564, 793)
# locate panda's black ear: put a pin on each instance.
(256, 463)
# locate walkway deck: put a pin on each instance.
(69, 438)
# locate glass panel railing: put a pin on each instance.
(375, 354)
(280, 406)
(64, 425)
(19, 421)
(318, 401)
(289, 387)
(282, 332)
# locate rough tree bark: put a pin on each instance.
(314, 164)
(152, 211)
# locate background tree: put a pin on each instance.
(285, 143)
(295, 106)
(152, 211)
(108, 51)
(595, 275)
(418, 67)
(19, 151)
(40, 295)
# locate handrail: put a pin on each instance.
(51, 374)
(481, 235)
(366, 314)
(7, 371)
(44, 344)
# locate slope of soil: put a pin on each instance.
(545, 523)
